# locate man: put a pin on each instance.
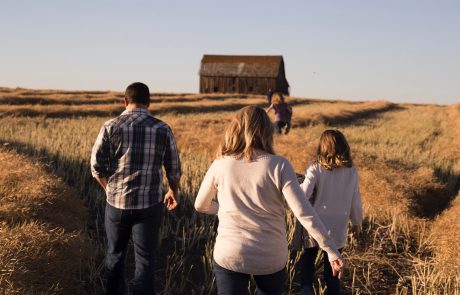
(127, 161)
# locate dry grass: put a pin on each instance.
(406, 156)
(44, 249)
(446, 228)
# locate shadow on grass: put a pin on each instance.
(37, 100)
(432, 200)
(73, 172)
(348, 117)
(84, 99)
(432, 190)
(116, 110)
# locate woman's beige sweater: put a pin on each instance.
(251, 236)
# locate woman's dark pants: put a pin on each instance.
(236, 283)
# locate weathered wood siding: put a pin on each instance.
(242, 74)
(237, 85)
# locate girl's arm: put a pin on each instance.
(204, 200)
(269, 108)
(356, 212)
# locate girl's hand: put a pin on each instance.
(337, 268)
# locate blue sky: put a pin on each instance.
(403, 51)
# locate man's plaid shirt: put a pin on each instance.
(130, 151)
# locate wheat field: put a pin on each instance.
(407, 156)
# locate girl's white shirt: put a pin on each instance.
(336, 200)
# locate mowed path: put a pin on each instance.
(44, 249)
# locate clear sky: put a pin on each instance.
(403, 51)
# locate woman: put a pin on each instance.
(283, 113)
(251, 183)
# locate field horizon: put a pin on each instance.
(174, 93)
(407, 155)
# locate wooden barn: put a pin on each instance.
(243, 74)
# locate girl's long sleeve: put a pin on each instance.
(204, 201)
(356, 212)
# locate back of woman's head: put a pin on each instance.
(250, 129)
(333, 150)
(278, 98)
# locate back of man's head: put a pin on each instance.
(138, 93)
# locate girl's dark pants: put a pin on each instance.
(236, 283)
(307, 275)
(279, 125)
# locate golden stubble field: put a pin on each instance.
(407, 155)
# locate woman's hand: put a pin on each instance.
(337, 268)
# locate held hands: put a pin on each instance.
(171, 200)
(337, 268)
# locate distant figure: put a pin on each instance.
(269, 96)
(251, 184)
(127, 160)
(331, 185)
(283, 113)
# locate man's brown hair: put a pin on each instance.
(138, 93)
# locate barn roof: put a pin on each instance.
(267, 66)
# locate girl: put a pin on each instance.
(283, 113)
(331, 185)
(251, 184)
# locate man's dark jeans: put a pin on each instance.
(143, 225)
(307, 276)
(236, 283)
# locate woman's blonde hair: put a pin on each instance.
(333, 150)
(278, 98)
(250, 129)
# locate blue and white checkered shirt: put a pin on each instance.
(130, 151)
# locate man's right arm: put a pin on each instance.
(171, 199)
(100, 158)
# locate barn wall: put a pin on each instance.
(252, 85)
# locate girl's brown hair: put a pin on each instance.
(278, 98)
(250, 129)
(333, 150)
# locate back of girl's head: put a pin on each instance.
(278, 98)
(333, 150)
(250, 129)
